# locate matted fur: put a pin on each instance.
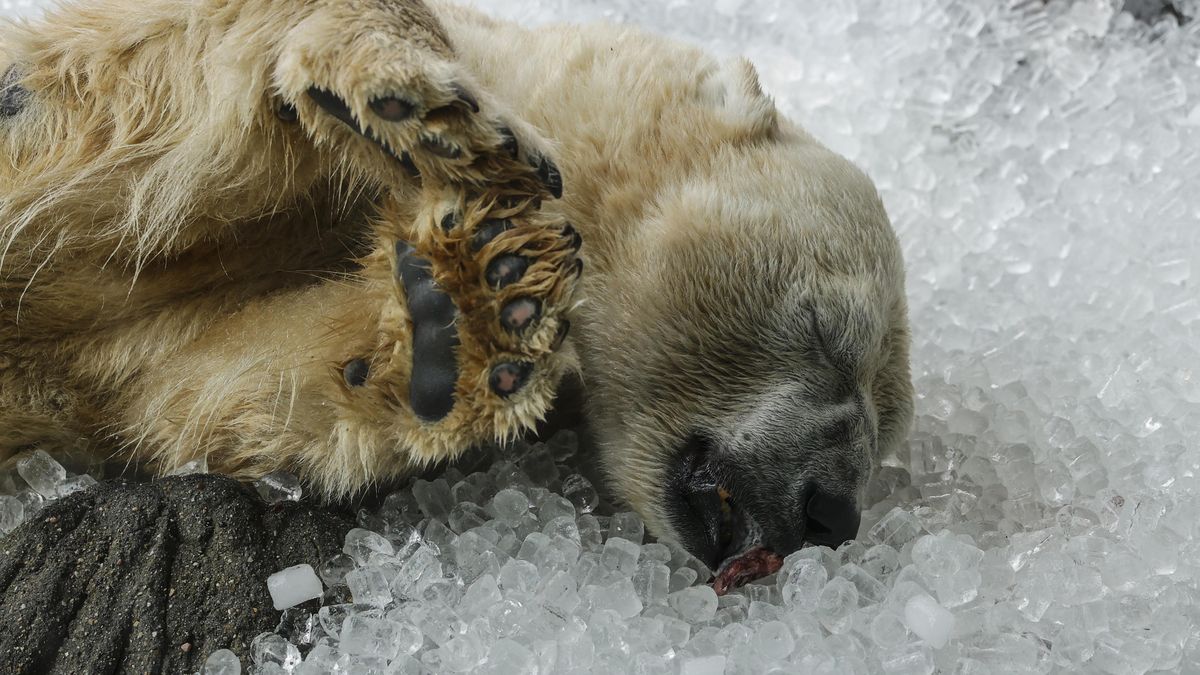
(183, 273)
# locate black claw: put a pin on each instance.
(508, 142)
(506, 270)
(436, 145)
(577, 268)
(406, 161)
(488, 231)
(564, 327)
(334, 105)
(287, 113)
(391, 108)
(550, 176)
(507, 379)
(435, 337)
(573, 236)
(461, 93)
(450, 221)
(355, 372)
(13, 97)
(519, 314)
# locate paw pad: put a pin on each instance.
(391, 108)
(519, 314)
(507, 379)
(506, 270)
(355, 372)
(13, 97)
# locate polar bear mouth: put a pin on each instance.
(743, 556)
(712, 521)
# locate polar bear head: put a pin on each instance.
(748, 373)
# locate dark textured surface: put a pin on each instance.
(150, 577)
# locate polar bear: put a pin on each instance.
(350, 238)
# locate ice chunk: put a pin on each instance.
(293, 585)
(510, 506)
(621, 556)
(695, 605)
(702, 665)
(12, 513)
(579, 491)
(222, 662)
(929, 620)
(278, 486)
(42, 473)
(271, 649)
(198, 465)
(627, 525)
(370, 586)
(896, 528)
(801, 580)
(364, 635)
(836, 605)
(360, 544)
(773, 641)
(507, 657)
(333, 571)
(433, 498)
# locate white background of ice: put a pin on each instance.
(1040, 165)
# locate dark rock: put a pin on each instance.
(150, 577)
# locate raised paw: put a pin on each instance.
(397, 109)
(487, 287)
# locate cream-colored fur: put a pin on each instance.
(179, 268)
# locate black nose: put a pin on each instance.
(832, 520)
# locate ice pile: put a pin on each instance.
(37, 479)
(1039, 162)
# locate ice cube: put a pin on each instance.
(621, 555)
(930, 621)
(12, 513)
(198, 465)
(369, 636)
(278, 486)
(293, 585)
(702, 665)
(579, 491)
(42, 473)
(773, 641)
(370, 586)
(271, 649)
(695, 604)
(510, 506)
(222, 662)
(627, 525)
(360, 544)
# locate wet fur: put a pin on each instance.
(181, 271)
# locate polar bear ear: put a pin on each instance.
(733, 88)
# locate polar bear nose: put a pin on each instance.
(830, 520)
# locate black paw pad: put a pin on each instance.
(450, 221)
(13, 97)
(519, 314)
(505, 270)
(507, 379)
(435, 338)
(466, 97)
(548, 173)
(355, 372)
(488, 231)
(391, 108)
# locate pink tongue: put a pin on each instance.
(755, 563)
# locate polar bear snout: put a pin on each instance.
(730, 508)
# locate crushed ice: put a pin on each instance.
(1039, 163)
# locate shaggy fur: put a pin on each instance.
(184, 273)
